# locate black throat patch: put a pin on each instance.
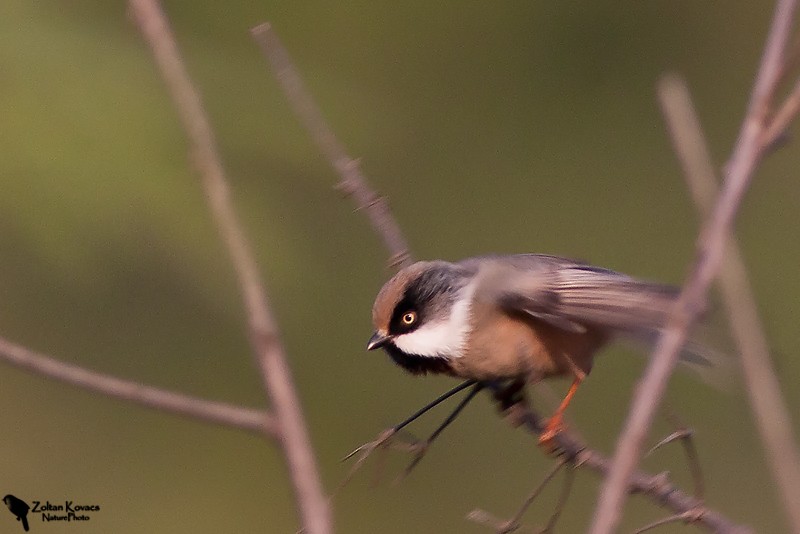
(419, 365)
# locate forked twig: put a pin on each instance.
(263, 332)
(782, 118)
(364, 451)
(423, 447)
(510, 525)
(686, 437)
(711, 245)
(657, 488)
(566, 489)
(772, 416)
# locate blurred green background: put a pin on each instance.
(492, 127)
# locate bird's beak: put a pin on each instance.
(377, 341)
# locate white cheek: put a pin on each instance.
(444, 339)
(435, 340)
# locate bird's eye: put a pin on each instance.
(409, 318)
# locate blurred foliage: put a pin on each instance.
(492, 127)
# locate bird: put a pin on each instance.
(19, 508)
(522, 317)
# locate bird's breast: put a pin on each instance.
(501, 347)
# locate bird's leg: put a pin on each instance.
(507, 394)
(556, 423)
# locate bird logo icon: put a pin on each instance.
(19, 508)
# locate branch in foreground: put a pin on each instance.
(571, 451)
(138, 393)
(352, 181)
(263, 332)
(710, 247)
(772, 417)
(783, 117)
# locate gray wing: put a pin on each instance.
(573, 296)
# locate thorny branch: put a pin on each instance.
(263, 331)
(710, 248)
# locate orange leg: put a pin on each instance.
(556, 423)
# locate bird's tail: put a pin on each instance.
(634, 309)
(614, 301)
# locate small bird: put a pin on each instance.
(19, 508)
(524, 317)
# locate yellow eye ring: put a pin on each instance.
(409, 318)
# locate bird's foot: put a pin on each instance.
(554, 427)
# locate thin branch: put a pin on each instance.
(686, 436)
(710, 248)
(352, 181)
(517, 518)
(561, 504)
(138, 393)
(362, 452)
(264, 338)
(657, 488)
(771, 414)
(687, 517)
(783, 117)
(422, 447)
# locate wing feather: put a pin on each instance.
(575, 296)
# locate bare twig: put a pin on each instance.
(138, 393)
(506, 526)
(780, 122)
(710, 249)
(770, 411)
(362, 452)
(422, 447)
(686, 517)
(267, 346)
(657, 488)
(561, 504)
(686, 436)
(352, 181)
(535, 493)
